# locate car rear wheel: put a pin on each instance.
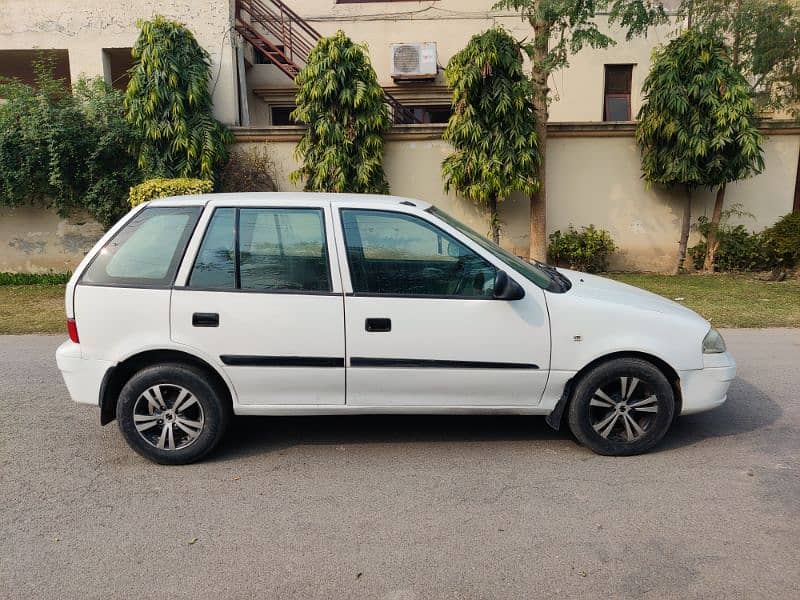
(622, 407)
(171, 414)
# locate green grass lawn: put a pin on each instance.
(35, 308)
(726, 300)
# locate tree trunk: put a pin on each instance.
(737, 36)
(538, 231)
(494, 221)
(796, 203)
(712, 241)
(685, 223)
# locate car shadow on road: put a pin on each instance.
(747, 409)
(257, 435)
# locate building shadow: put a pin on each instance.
(747, 409)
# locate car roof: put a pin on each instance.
(276, 198)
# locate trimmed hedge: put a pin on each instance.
(162, 188)
(34, 278)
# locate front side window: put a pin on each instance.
(264, 249)
(542, 275)
(392, 253)
(147, 250)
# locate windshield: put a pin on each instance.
(543, 275)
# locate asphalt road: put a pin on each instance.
(403, 507)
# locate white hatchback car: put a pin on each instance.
(194, 308)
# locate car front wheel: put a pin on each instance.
(622, 407)
(171, 414)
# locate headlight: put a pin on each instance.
(713, 342)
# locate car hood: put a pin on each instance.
(593, 288)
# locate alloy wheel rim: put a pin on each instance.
(168, 416)
(623, 409)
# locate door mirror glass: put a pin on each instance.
(506, 288)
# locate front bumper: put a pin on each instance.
(707, 388)
(82, 376)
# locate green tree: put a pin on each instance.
(763, 37)
(561, 28)
(169, 103)
(67, 148)
(492, 129)
(697, 125)
(339, 99)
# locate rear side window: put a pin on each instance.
(146, 252)
(264, 249)
(216, 259)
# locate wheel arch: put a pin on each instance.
(118, 375)
(554, 418)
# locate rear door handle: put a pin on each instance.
(205, 319)
(378, 325)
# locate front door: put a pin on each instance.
(422, 326)
(262, 300)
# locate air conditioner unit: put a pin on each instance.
(414, 60)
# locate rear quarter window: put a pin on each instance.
(146, 252)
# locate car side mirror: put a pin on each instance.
(506, 288)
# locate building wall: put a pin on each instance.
(591, 179)
(593, 174)
(34, 240)
(577, 92)
(85, 27)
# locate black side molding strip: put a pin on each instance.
(235, 360)
(421, 363)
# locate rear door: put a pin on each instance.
(422, 326)
(262, 298)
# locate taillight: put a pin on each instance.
(72, 329)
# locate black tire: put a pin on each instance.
(650, 406)
(210, 408)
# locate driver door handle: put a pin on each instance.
(378, 325)
(205, 319)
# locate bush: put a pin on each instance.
(66, 150)
(585, 250)
(162, 188)
(249, 170)
(774, 249)
(738, 250)
(782, 242)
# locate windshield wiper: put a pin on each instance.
(560, 279)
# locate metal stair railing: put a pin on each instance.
(259, 20)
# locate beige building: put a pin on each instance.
(255, 45)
